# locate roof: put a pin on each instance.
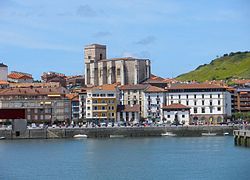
(33, 91)
(176, 106)
(128, 108)
(3, 82)
(123, 59)
(105, 87)
(134, 87)
(73, 97)
(154, 89)
(195, 86)
(241, 81)
(19, 76)
(3, 65)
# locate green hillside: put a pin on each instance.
(233, 65)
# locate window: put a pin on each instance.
(179, 96)
(100, 56)
(135, 91)
(103, 95)
(210, 95)
(128, 102)
(211, 103)
(172, 102)
(195, 103)
(218, 108)
(195, 110)
(218, 102)
(168, 116)
(203, 102)
(179, 101)
(187, 96)
(195, 96)
(211, 110)
(89, 57)
(187, 103)
(171, 96)
(218, 95)
(111, 95)
(203, 96)
(118, 72)
(103, 101)
(202, 110)
(183, 116)
(103, 114)
(95, 108)
(103, 108)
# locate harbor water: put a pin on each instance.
(124, 158)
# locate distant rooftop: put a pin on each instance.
(3, 65)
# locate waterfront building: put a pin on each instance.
(133, 95)
(208, 103)
(176, 113)
(82, 103)
(41, 105)
(3, 72)
(101, 103)
(20, 77)
(128, 113)
(99, 70)
(154, 100)
(75, 106)
(242, 99)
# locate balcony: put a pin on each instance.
(100, 110)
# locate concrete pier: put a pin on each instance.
(242, 138)
(49, 133)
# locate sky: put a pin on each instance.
(176, 35)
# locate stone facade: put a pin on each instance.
(99, 70)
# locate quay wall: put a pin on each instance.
(49, 133)
(242, 138)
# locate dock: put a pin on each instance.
(242, 138)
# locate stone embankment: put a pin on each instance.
(49, 133)
(242, 138)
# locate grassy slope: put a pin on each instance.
(235, 66)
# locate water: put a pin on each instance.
(127, 158)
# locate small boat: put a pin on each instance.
(168, 134)
(208, 134)
(2, 137)
(116, 136)
(80, 136)
(226, 133)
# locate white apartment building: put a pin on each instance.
(208, 103)
(176, 113)
(154, 100)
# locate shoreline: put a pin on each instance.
(108, 132)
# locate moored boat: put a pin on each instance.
(80, 136)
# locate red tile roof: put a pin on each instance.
(73, 97)
(196, 86)
(19, 76)
(106, 87)
(134, 87)
(33, 91)
(128, 108)
(3, 82)
(154, 89)
(176, 106)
